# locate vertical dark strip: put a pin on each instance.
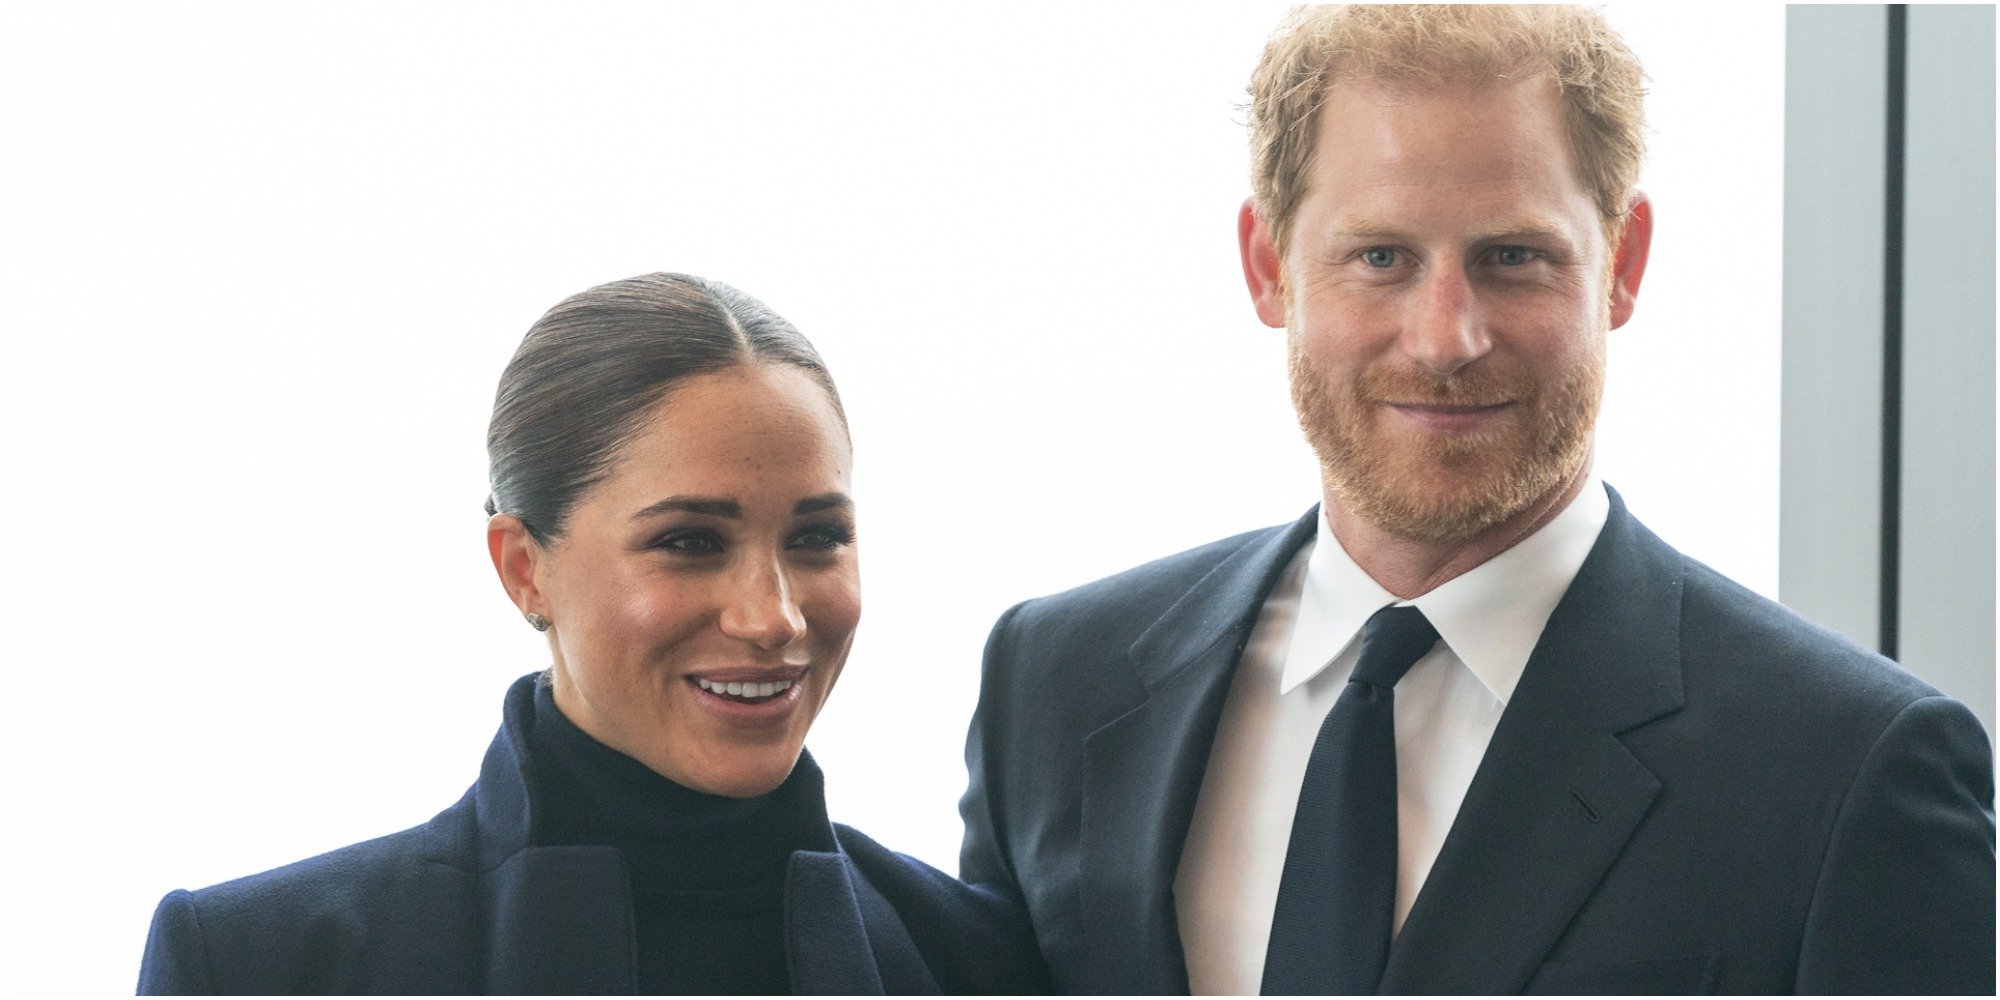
(1892, 336)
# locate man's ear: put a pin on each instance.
(1628, 265)
(1262, 270)
(516, 555)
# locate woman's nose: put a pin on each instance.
(1444, 329)
(762, 609)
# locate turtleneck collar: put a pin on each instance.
(672, 837)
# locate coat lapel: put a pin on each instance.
(1557, 793)
(1143, 769)
(559, 921)
(826, 943)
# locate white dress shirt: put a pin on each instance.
(1300, 654)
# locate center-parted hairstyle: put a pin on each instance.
(592, 367)
(1432, 45)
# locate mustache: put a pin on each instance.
(1474, 385)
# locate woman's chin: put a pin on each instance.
(723, 762)
(749, 776)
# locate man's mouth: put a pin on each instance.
(1435, 407)
(1450, 417)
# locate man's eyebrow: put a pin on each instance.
(1362, 227)
(1527, 229)
(823, 502)
(693, 505)
(1532, 230)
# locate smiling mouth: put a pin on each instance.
(747, 692)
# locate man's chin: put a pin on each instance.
(1428, 522)
(1433, 505)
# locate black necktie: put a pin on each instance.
(1337, 901)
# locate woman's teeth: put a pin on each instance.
(742, 690)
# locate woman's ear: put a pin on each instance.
(516, 556)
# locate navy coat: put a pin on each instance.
(1691, 790)
(467, 904)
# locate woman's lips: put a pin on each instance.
(1443, 417)
(745, 689)
(753, 696)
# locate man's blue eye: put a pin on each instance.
(1513, 256)
(1379, 256)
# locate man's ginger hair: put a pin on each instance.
(1438, 45)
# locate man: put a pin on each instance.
(1607, 768)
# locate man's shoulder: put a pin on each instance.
(1739, 650)
(1139, 594)
(1732, 635)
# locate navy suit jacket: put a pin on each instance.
(466, 904)
(1692, 789)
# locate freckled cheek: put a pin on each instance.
(832, 609)
(647, 621)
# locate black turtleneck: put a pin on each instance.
(708, 871)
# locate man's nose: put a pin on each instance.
(1445, 328)
(761, 607)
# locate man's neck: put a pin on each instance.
(1410, 569)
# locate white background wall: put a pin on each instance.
(261, 265)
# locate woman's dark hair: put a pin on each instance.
(593, 365)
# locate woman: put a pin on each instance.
(669, 466)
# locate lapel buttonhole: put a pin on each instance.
(1587, 810)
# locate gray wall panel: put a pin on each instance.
(1947, 596)
(1830, 451)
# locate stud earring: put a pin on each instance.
(541, 624)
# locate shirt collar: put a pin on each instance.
(1491, 616)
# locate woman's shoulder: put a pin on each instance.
(973, 938)
(324, 924)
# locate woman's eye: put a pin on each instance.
(1513, 256)
(690, 543)
(822, 536)
(1379, 257)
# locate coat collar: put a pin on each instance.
(506, 812)
(559, 918)
(1143, 769)
(1557, 793)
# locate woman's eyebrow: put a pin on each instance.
(825, 501)
(693, 505)
(715, 507)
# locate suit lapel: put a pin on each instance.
(1557, 794)
(1143, 769)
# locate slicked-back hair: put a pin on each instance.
(594, 365)
(1438, 45)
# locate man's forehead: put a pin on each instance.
(1393, 144)
(1398, 88)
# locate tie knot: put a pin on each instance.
(1392, 642)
